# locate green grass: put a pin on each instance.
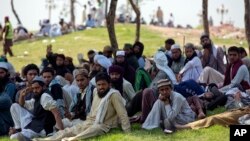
(81, 42)
(215, 133)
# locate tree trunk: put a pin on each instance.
(72, 13)
(111, 24)
(138, 20)
(247, 22)
(106, 7)
(204, 16)
(14, 12)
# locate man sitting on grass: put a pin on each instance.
(107, 108)
(171, 107)
(40, 122)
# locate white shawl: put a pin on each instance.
(103, 106)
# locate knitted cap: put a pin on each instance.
(163, 82)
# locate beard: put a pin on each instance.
(102, 94)
(109, 55)
(117, 84)
(177, 59)
(37, 95)
(208, 45)
(138, 54)
(91, 60)
(3, 82)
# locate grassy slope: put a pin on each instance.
(81, 42)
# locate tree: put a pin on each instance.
(138, 20)
(50, 4)
(72, 13)
(106, 7)
(247, 22)
(111, 24)
(14, 12)
(204, 15)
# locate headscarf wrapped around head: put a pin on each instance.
(161, 62)
(103, 61)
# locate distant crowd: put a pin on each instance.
(59, 100)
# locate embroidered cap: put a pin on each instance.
(164, 82)
(83, 72)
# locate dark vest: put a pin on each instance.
(80, 107)
(42, 119)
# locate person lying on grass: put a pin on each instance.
(225, 119)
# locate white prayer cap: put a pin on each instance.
(120, 53)
(175, 46)
(4, 65)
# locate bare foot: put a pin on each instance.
(12, 131)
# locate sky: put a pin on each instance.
(184, 11)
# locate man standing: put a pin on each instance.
(84, 17)
(107, 108)
(159, 15)
(7, 37)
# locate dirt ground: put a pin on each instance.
(183, 35)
